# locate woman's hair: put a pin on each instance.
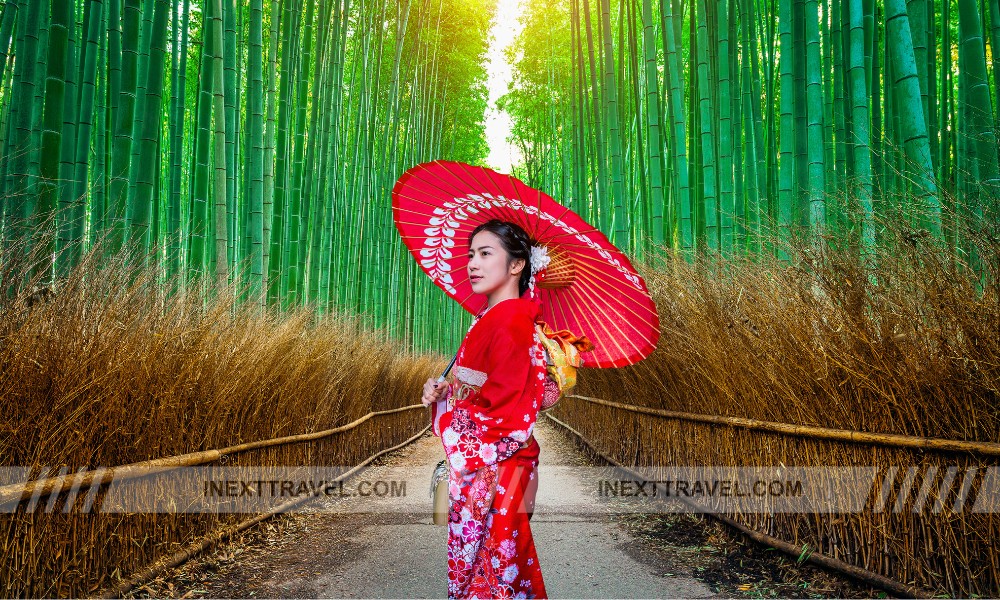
(515, 241)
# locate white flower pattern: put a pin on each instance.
(446, 220)
(486, 554)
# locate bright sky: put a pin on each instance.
(498, 72)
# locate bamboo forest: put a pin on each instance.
(199, 259)
(261, 140)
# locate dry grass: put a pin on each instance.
(916, 352)
(111, 369)
(912, 347)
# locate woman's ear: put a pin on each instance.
(517, 266)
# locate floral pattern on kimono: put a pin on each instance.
(485, 423)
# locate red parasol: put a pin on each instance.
(589, 287)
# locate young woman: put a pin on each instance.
(485, 419)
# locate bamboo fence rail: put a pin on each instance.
(927, 526)
(809, 431)
(73, 551)
(43, 488)
(210, 540)
(828, 562)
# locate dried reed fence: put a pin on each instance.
(911, 350)
(116, 367)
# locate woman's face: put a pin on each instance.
(488, 270)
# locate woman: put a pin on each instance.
(485, 419)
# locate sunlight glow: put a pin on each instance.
(506, 27)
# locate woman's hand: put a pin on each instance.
(433, 391)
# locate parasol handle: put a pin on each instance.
(447, 369)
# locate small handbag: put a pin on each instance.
(439, 493)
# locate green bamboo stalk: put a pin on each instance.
(315, 155)
(179, 92)
(707, 132)
(293, 259)
(995, 48)
(230, 90)
(917, 13)
(144, 171)
(91, 53)
(838, 68)
(770, 151)
(814, 110)
(269, 142)
(752, 133)
(873, 67)
(142, 70)
(653, 123)
(930, 69)
(55, 87)
(634, 151)
(20, 179)
(71, 207)
(602, 196)
(800, 114)
(7, 21)
(619, 234)
(860, 128)
(200, 226)
(727, 198)
(981, 127)
(277, 274)
(114, 58)
(255, 149)
(124, 114)
(337, 180)
(361, 80)
(219, 150)
(894, 162)
(37, 124)
(966, 166)
(912, 123)
(827, 78)
(737, 121)
(578, 104)
(98, 172)
(946, 126)
(694, 140)
(679, 145)
(365, 296)
(786, 165)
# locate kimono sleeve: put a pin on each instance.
(438, 410)
(508, 368)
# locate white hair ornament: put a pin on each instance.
(539, 259)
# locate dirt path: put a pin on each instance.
(584, 554)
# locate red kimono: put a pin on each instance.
(485, 424)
